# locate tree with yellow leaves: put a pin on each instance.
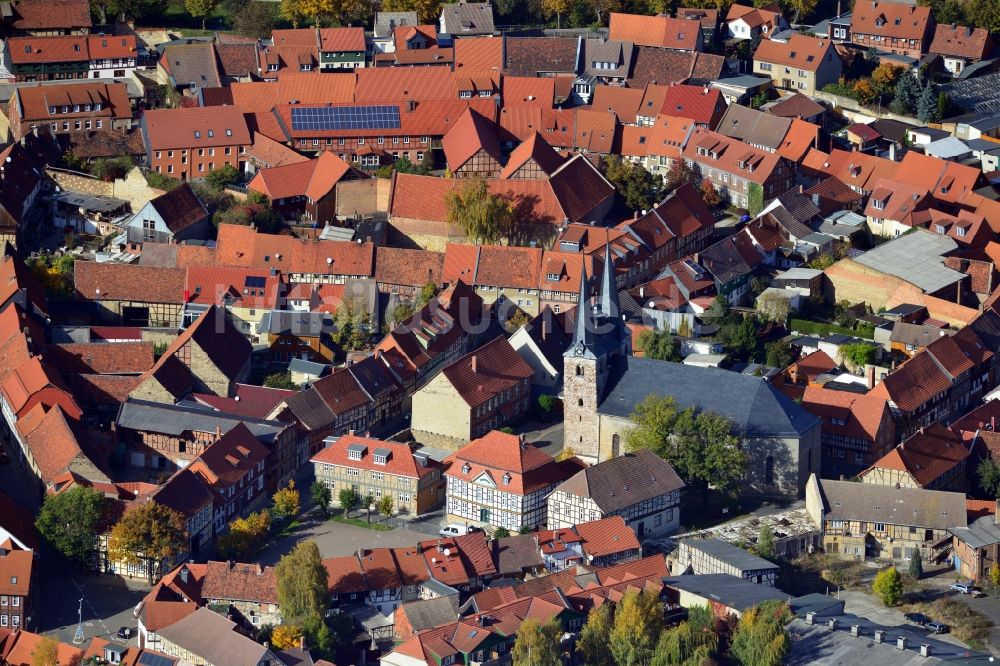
(152, 532)
(557, 8)
(285, 502)
(427, 10)
(286, 636)
(245, 535)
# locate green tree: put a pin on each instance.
(659, 345)
(594, 644)
(546, 403)
(501, 533)
(256, 19)
(222, 177)
(401, 312)
(427, 294)
(993, 577)
(69, 521)
(741, 338)
(916, 566)
(152, 532)
(700, 446)
(691, 643)
(385, 505)
(321, 496)
(348, 499)
(761, 637)
(778, 354)
(755, 198)
(367, 501)
(637, 626)
(286, 502)
(352, 325)
(859, 355)
(888, 586)
(280, 380)
(538, 644)
(989, 477)
(200, 9)
(638, 187)
(906, 92)
(765, 543)
(927, 103)
(302, 584)
(485, 217)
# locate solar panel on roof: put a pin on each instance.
(345, 118)
(254, 282)
(147, 659)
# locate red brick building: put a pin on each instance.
(187, 143)
(76, 107)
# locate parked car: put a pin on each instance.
(975, 593)
(962, 588)
(457, 529)
(917, 618)
(937, 627)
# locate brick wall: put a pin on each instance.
(363, 197)
(73, 181)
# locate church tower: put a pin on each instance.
(598, 337)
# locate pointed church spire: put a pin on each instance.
(582, 331)
(607, 302)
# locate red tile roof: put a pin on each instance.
(800, 51)
(111, 46)
(41, 50)
(234, 455)
(400, 266)
(196, 127)
(890, 20)
(914, 383)
(623, 102)
(926, 456)
(21, 647)
(127, 282)
(341, 39)
(479, 54)
(313, 179)
(661, 31)
(863, 414)
(490, 370)
(238, 245)
(470, 134)
(301, 87)
(400, 461)
(249, 400)
(15, 570)
(527, 91)
(513, 465)
(45, 15)
(34, 102)
(52, 443)
(235, 581)
(536, 149)
(703, 105)
(102, 358)
(960, 41)
(731, 156)
(607, 536)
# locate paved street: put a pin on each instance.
(107, 604)
(547, 436)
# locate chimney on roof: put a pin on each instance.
(545, 328)
(870, 375)
(232, 563)
(913, 8)
(473, 363)
(184, 574)
(34, 130)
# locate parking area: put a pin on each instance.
(866, 606)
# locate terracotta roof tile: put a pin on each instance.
(48, 14)
(196, 127)
(528, 91)
(961, 41)
(399, 266)
(927, 455)
(498, 368)
(470, 134)
(660, 31)
(400, 462)
(34, 102)
(40, 50)
(478, 54)
(607, 536)
(914, 383)
(238, 245)
(535, 56)
(15, 571)
(705, 108)
(796, 105)
(102, 358)
(341, 39)
(800, 51)
(623, 102)
(126, 282)
(305, 88)
(234, 455)
(237, 60)
(235, 581)
(23, 644)
(891, 20)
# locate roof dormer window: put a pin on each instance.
(378, 459)
(506, 479)
(466, 468)
(938, 228)
(211, 133)
(878, 204)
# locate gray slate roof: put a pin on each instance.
(916, 334)
(175, 419)
(931, 509)
(213, 638)
(730, 554)
(754, 406)
(981, 533)
(517, 553)
(753, 127)
(430, 613)
(730, 591)
(192, 64)
(916, 257)
(621, 482)
(386, 22)
(467, 18)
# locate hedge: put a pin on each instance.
(864, 330)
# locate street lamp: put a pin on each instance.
(78, 636)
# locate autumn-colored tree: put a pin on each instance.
(555, 8)
(594, 644)
(427, 10)
(885, 76)
(637, 626)
(604, 7)
(385, 505)
(286, 636)
(803, 8)
(152, 532)
(285, 502)
(888, 586)
(46, 652)
(761, 637)
(291, 11)
(538, 644)
(864, 91)
(245, 535)
(709, 194)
